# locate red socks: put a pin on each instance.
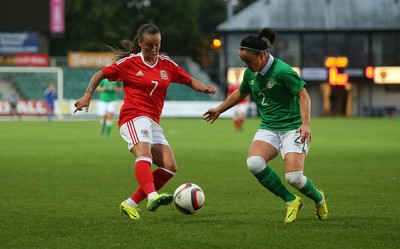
(144, 176)
(160, 176)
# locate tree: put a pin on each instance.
(177, 20)
(187, 26)
(211, 14)
(92, 24)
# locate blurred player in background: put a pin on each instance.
(284, 106)
(108, 99)
(50, 96)
(146, 76)
(13, 101)
(240, 109)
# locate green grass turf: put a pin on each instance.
(61, 185)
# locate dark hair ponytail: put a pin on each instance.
(268, 36)
(133, 46)
(261, 42)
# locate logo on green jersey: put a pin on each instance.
(270, 84)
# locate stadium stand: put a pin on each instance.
(76, 81)
(29, 86)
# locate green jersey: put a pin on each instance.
(275, 90)
(110, 94)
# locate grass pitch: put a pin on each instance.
(61, 185)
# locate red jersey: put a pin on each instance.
(234, 87)
(145, 86)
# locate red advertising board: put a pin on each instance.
(25, 60)
(34, 60)
(25, 108)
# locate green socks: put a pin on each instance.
(107, 130)
(311, 191)
(271, 180)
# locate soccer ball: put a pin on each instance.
(188, 198)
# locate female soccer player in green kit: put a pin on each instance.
(284, 106)
(107, 103)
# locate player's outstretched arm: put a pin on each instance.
(212, 114)
(84, 102)
(200, 87)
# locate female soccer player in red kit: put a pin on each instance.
(146, 76)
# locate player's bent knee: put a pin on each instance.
(255, 164)
(296, 179)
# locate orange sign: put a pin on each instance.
(336, 78)
(336, 62)
(90, 59)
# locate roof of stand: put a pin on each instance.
(309, 15)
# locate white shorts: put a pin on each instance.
(106, 107)
(284, 141)
(142, 129)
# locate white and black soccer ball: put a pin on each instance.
(189, 198)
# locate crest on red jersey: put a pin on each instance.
(163, 74)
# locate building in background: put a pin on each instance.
(348, 51)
